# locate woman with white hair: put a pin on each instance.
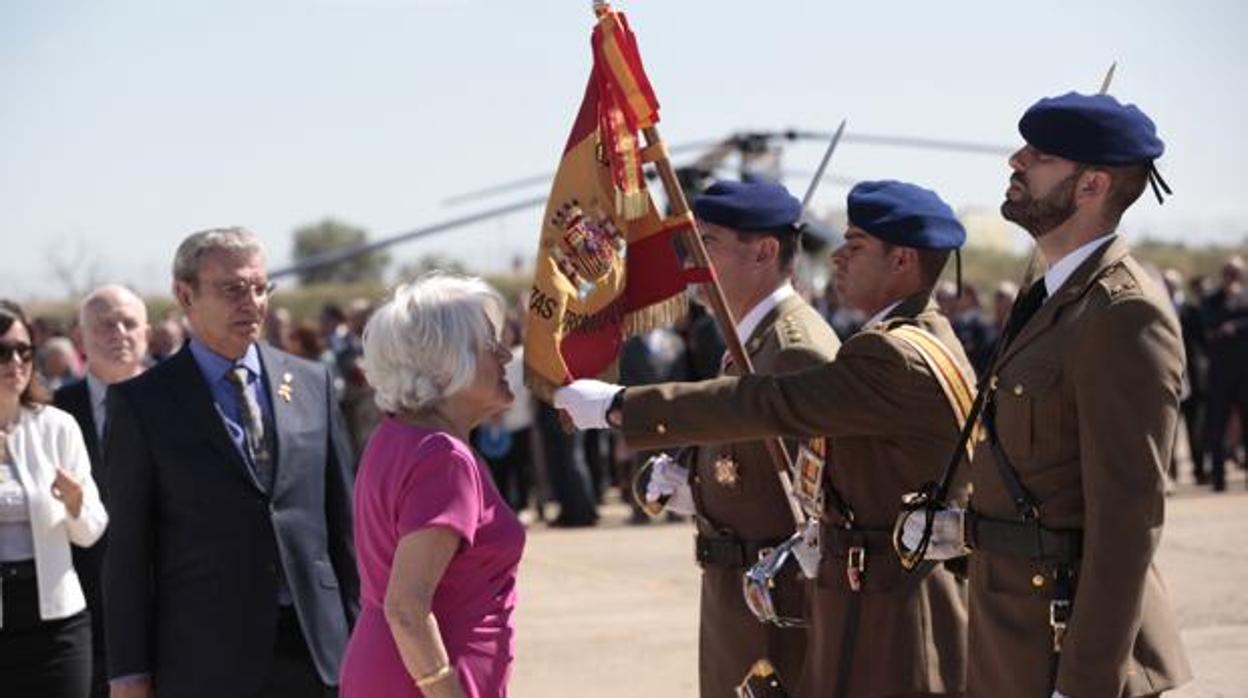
(437, 545)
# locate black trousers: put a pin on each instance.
(40, 658)
(1228, 392)
(294, 674)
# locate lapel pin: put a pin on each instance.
(284, 390)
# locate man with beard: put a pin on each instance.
(112, 331)
(1069, 486)
(884, 408)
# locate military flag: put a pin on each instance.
(606, 266)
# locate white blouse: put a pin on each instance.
(43, 439)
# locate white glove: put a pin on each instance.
(586, 402)
(670, 479)
(948, 539)
(1059, 694)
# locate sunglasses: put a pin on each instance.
(24, 352)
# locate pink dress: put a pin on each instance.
(412, 478)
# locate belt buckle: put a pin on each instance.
(856, 567)
(1059, 614)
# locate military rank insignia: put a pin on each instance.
(727, 472)
(812, 457)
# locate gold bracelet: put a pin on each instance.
(434, 676)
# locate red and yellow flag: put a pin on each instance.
(606, 266)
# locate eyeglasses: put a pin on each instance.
(241, 290)
(24, 352)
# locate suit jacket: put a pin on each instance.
(1086, 412)
(197, 545)
(891, 429)
(75, 399)
(752, 507)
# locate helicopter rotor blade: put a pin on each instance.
(745, 140)
(336, 256)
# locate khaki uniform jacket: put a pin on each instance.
(891, 429)
(1087, 409)
(746, 502)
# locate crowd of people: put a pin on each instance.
(227, 502)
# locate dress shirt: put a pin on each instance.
(97, 392)
(215, 368)
(1061, 270)
(879, 317)
(749, 322)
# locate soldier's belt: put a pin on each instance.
(731, 552)
(1023, 539)
(839, 541)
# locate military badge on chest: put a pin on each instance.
(808, 476)
(727, 471)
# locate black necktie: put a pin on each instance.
(1026, 306)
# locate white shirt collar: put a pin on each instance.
(879, 317)
(1061, 270)
(749, 322)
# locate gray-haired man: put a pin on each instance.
(230, 569)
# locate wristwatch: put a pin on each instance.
(615, 411)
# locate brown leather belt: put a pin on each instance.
(839, 541)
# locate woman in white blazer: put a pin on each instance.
(47, 501)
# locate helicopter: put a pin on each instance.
(758, 155)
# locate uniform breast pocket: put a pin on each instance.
(1029, 413)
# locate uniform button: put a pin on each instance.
(660, 428)
(1018, 389)
(1037, 581)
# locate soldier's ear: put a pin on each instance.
(768, 250)
(1093, 184)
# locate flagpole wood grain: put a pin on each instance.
(719, 304)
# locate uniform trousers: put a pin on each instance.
(39, 658)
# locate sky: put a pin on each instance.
(125, 125)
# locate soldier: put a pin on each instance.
(875, 631)
(751, 235)
(1069, 486)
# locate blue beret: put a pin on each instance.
(1091, 129)
(748, 206)
(905, 215)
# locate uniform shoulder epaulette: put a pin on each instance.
(790, 330)
(1118, 280)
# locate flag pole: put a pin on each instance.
(656, 152)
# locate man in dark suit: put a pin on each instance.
(112, 332)
(1225, 314)
(230, 569)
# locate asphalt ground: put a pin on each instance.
(611, 611)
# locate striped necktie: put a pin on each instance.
(253, 426)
